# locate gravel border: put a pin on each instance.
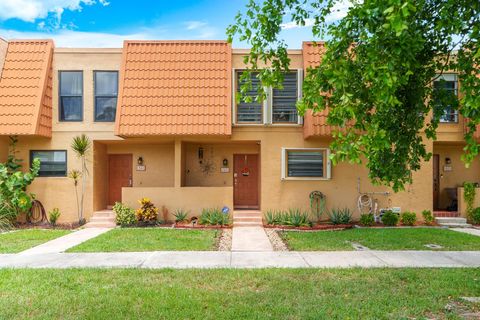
(225, 240)
(276, 240)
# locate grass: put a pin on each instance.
(381, 239)
(19, 240)
(150, 239)
(234, 294)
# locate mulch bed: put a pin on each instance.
(61, 226)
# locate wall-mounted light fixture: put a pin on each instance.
(140, 161)
(448, 160)
(225, 162)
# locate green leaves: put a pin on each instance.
(378, 69)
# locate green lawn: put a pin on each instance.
(381, 239)
(234, 294)
(17, 241)
(150, 239)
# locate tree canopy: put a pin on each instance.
(376, 75)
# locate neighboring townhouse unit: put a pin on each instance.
(165, 124)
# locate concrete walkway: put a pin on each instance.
(250, 239)
(219, 259)
(472, 231)
(66, 242)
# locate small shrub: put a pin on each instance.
(165, 213)
(408, 218)
(53, 216)
(147, 212)
(214, 217)
(428, 217)
(180, 215)
(270, 217)
(340, 216)
(475, 216)
(390, 218)
(297, 218)
(367, 219)
(125, 216)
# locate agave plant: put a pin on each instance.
(180, 215)
(81, 146)
(297, 218)
(340, 216)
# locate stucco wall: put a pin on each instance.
(458, 174)
(462, 206)
(192, 199)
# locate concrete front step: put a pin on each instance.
(102, 219)
(104, 213)
(247, 219)
(247, 213)
(101, 225)
(452, 222)
(247, 224)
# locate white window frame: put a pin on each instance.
(328, 165)
(267, 103)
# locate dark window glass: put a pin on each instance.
(284, 100)
(447, 90)
(305, 163)
(52, 163)
(249, 112)
(71, 96)
(106, 92)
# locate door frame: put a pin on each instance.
(108, 173)
(436, 173)
(259, 178)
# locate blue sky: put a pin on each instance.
(106, 23)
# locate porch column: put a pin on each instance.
(178, 163)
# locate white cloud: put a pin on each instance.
(31, 10)
(338, 11)
(203, 29)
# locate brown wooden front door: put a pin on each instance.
(436, 180)
(245, 181)
(119, 176)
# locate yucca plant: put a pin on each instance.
(81, 146)
(340, 216)
(297, 218)
(180, 215)
(75, 176)
(214, 217)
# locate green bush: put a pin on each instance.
(293, 217)
(180, 215)
(125, 216)
(53, 216)
(408, 218)
(340, 216)
(390, 218)
(214, 217)
(475, 216)
(367, 219)
(428, 217)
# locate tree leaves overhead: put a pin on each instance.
(377, 73)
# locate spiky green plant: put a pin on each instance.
(340, 216)
(180, 215)
(81, 146)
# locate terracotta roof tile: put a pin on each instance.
(26, 88)
(314, 124)
(175, 88)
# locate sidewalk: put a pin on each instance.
(250, 239)
(218, 259)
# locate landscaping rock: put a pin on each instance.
(276, 240)
(225, 242)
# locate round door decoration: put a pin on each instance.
(245, 172)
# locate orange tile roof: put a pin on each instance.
(175, 88)
(26, 88)
(314, 124)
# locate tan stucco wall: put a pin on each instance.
(158, 160)
(459, 173)
(192, 199)
(462, 206)
(213, 153)
(3, 53)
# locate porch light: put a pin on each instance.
(225, 162)
(200, 154)
(140, 161)
(448, 160)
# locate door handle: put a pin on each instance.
(130, 182)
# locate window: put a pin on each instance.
(106, 91)
(249, 112)
(278, 108)
(52, 163)
(71, 95)
(448, 85)
(284, 109)
(305, 164)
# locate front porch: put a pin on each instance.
(176, 174)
